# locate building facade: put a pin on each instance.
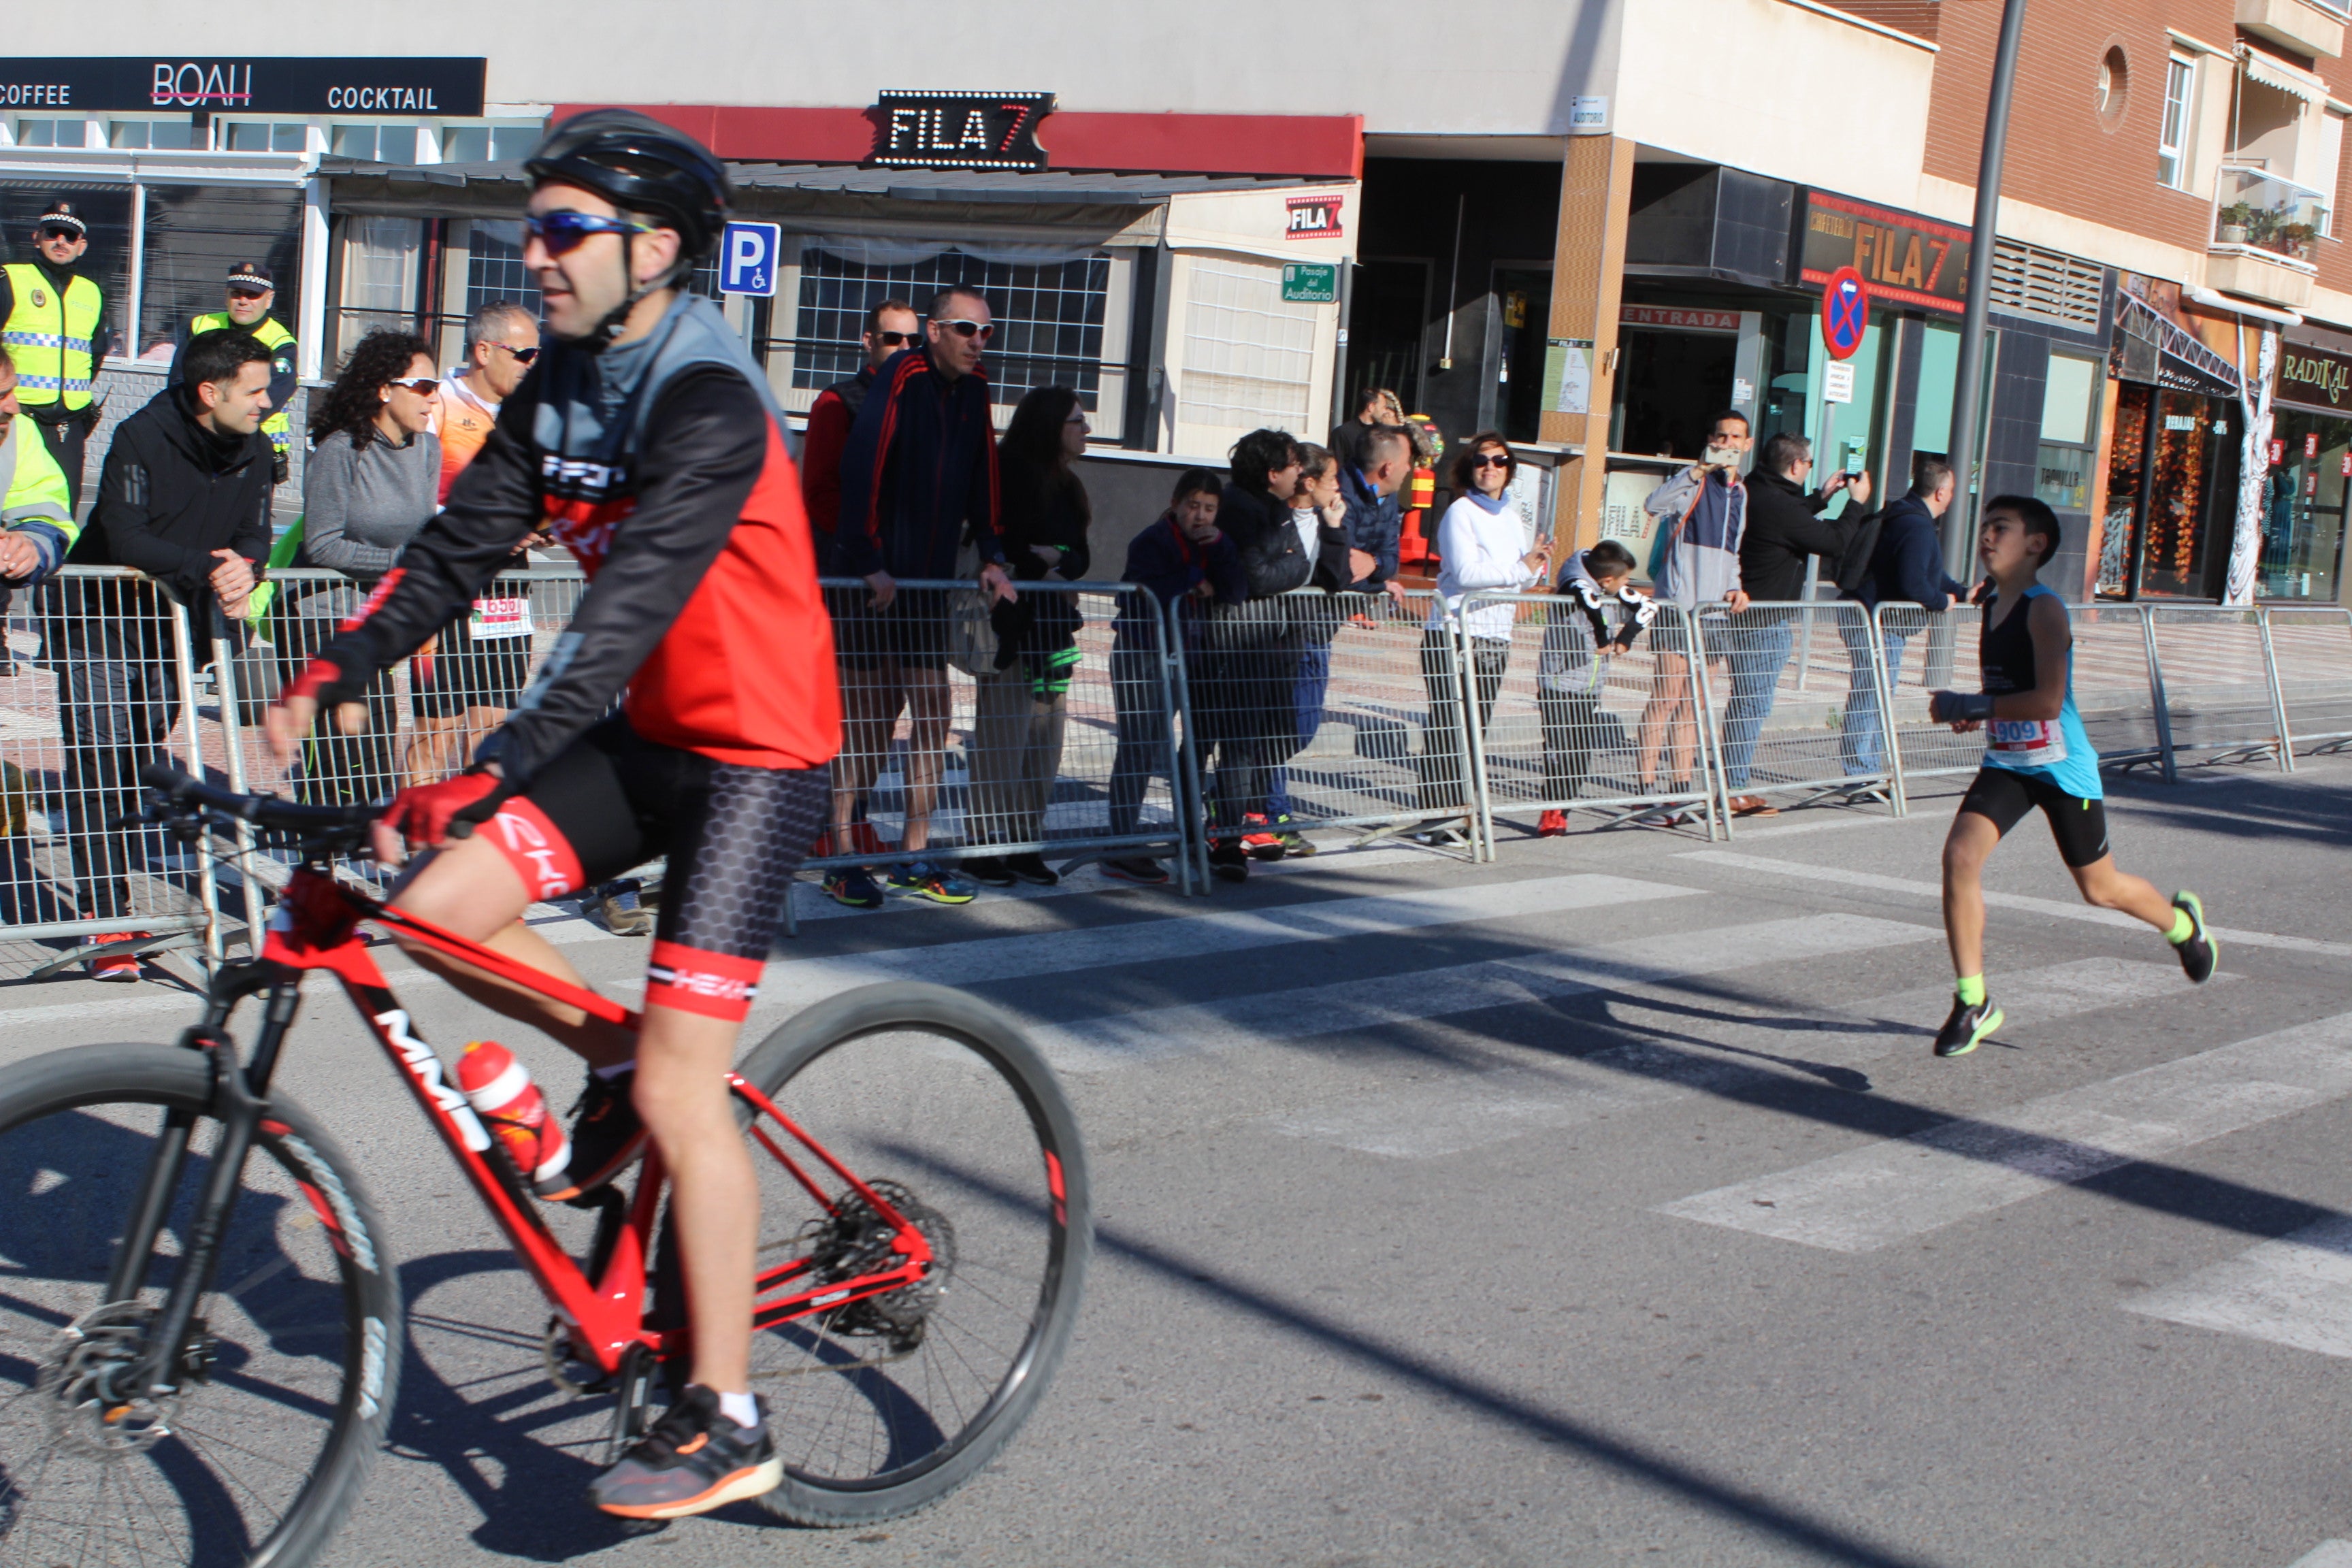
(1592, 224)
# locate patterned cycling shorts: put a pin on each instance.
(733, 836)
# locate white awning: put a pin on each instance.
(2291, 79)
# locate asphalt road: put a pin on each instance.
(1602, 1204)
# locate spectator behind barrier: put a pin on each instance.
(185, 497)
(1375, 405)
(1481, 548)
(1577, 641)
(1187, 563)
(1319, 511)
(1896, 558)
(1020, 711)
(890, 326)
(373, 478)
(1382, 465)
(1698, 517)
(1249, 666)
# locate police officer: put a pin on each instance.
(52, 315)
(251, 293)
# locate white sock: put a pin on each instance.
(615, 1070)
(739, 1409)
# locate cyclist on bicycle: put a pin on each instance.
(645, 439)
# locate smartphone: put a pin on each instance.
(1721, 457)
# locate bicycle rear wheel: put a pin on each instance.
(939, 1104)
(285, 1378)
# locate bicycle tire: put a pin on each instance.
(994, 1038)
(367, 1368)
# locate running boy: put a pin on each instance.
(2036, 755)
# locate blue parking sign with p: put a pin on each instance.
(747, 259)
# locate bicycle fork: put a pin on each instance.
(240, 1094)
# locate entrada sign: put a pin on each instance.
(258, 85)
(2315, 377)
(1902, 256)
(961, 129)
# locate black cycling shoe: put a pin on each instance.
(1227, 862)
(606, 1135)
(2199, 952)
(695, 1459)
(1966, 1027)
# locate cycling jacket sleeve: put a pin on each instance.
(705, 446)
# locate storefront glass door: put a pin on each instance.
(2191, 489)
(2303, 506)
(1523, 294)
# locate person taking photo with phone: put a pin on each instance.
(1700, 517)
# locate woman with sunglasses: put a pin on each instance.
(1481, 547)
(373, 478)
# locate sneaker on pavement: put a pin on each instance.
(120, 967)
(624, 909)
(2198, 950)
(1966, 1027)
(1552, 825)
(1227, 862)
(695, 1459)
(990, 871)
(1295, 845)
(1259, 841)
(1032, 869)
(928, 879)
(853, 886)
(1752, 805)
(1140, 869)
(606, 1135)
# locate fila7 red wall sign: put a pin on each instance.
(961, 129)
(1313, 217)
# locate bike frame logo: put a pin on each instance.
(194, 85)
(428, 1071)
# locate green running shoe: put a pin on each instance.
(1966, 1027)
(2199, 952)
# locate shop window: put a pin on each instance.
(2127, 454)
(49, 133)
(2063, 464)
(170, 135)
(493, 268)
(2172, 138)
(2172, 488)
(107, 262)
(255, 136)
(381, 270)
(380, 143)
(1248, 356)
(2304, 506)
(196, 234)
(1048, 315)
(486, 143)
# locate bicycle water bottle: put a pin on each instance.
(510, 1105)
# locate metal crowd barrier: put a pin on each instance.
(1805, 711)
(1092, 724)
(1562, 730)
(1071, 729)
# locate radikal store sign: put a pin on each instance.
(2313, 377)
(255, 85)
(1902, 258)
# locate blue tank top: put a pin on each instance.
(2056, 749)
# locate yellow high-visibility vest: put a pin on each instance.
(279, 342)
(49, 338)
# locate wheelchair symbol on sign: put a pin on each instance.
(1845, 312)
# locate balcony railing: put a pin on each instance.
(2255, 208)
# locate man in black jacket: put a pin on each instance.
(1785, 530)
(184, 497)
(1899, 561)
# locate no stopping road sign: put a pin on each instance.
(1845, 312)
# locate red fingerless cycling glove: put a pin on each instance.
(433, 814)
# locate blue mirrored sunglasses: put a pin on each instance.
(563, 232)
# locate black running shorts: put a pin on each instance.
(2003, 797)
(733, 836)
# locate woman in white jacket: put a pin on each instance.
(1482, 548)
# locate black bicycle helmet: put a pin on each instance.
(641, 165)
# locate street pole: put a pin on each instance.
(1959, 521)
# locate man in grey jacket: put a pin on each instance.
(1700, 514)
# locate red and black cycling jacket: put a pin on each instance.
(702, 603)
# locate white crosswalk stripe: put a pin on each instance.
(1425, 1121)
(1121, 1039)
(794, 985)
(2327, 1554)
(2293, 1290)
(1883, 1192)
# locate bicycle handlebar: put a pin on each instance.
(306, 824)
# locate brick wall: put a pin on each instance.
(1917, 17)
(2062, 154)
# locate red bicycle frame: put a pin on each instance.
(316, 926)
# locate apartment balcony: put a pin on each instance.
(2265, 230)
(2305, 27)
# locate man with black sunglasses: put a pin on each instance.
(251, 292)
(56, 333)
(889, 327)
(501, 342)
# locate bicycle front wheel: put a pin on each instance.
(284, 1382)
(940, 1105)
